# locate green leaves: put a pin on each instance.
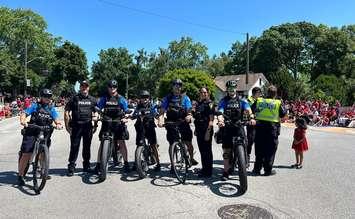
(193, 80)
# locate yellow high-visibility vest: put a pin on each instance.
(267, 110)
(251, 100)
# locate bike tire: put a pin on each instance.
(242, 171)
(39, 180)
(105, 155)
(179, 163)
(141, 162)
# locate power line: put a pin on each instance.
(170, 18)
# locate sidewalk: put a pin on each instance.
(325, 128)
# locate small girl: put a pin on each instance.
(299, 142)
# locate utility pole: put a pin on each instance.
(25, 91)
(247, 73)
(127, 85)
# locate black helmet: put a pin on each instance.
(112, 83)
(231, 83)
(144, 94)
(177, 82)
(45, 93)
(84, 82)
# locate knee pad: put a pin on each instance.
(227, 153)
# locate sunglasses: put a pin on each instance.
(113, 87)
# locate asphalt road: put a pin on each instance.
(324, 188)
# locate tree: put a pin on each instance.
(332, 86)
(16, 28)
(186, 54)
(217, 65)
(114, 63)
(70, 64)
(193, 80)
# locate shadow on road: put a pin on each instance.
(283, 167)
(9, 178)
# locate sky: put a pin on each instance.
(102, 24)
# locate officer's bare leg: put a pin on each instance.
(25, 157)
(155, 153)
(226, 156)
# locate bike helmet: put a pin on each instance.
(47, 93)
(112, 84)
(231, 84)
(176, 82)
(144, 94)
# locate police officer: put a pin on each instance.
(43, 114)
(268, 112)
(178, 107)
(203, 114)
(78, 116)
(256, 93)
(114, 107)
(145, 113)
(235, 109)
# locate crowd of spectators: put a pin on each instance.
(321, 113)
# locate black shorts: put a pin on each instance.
(119, 130)
(230, 132)
(29, 138)
(185, 131)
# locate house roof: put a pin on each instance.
(252, 79)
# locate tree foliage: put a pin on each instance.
(193, 80)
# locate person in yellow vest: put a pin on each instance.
(256, 93)
(268, 112)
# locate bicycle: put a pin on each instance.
(179, 156)
(144, 156)
(40, 157)
(239, 154)
(107, 148)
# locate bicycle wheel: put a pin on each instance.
(40, 168)
(105, 155)
(141, 161)
(179, 163)
(242, 171)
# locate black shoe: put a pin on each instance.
(271, 173)
(126, 168)
(157, 168)
(86, 167)
(96, 170)
(71, 169)
(134, 167)
(20, 181)
(255, 173)
(49, 177)
(203, 175)
(70, 172)
(193, 162)
(225, 176)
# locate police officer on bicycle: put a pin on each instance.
(114, 107)
(268, 112)
(43, 114)
(78, 116)
(145, 114)
(178, 108)
(236, 109)
(203, 114)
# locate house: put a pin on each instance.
(243, 89)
